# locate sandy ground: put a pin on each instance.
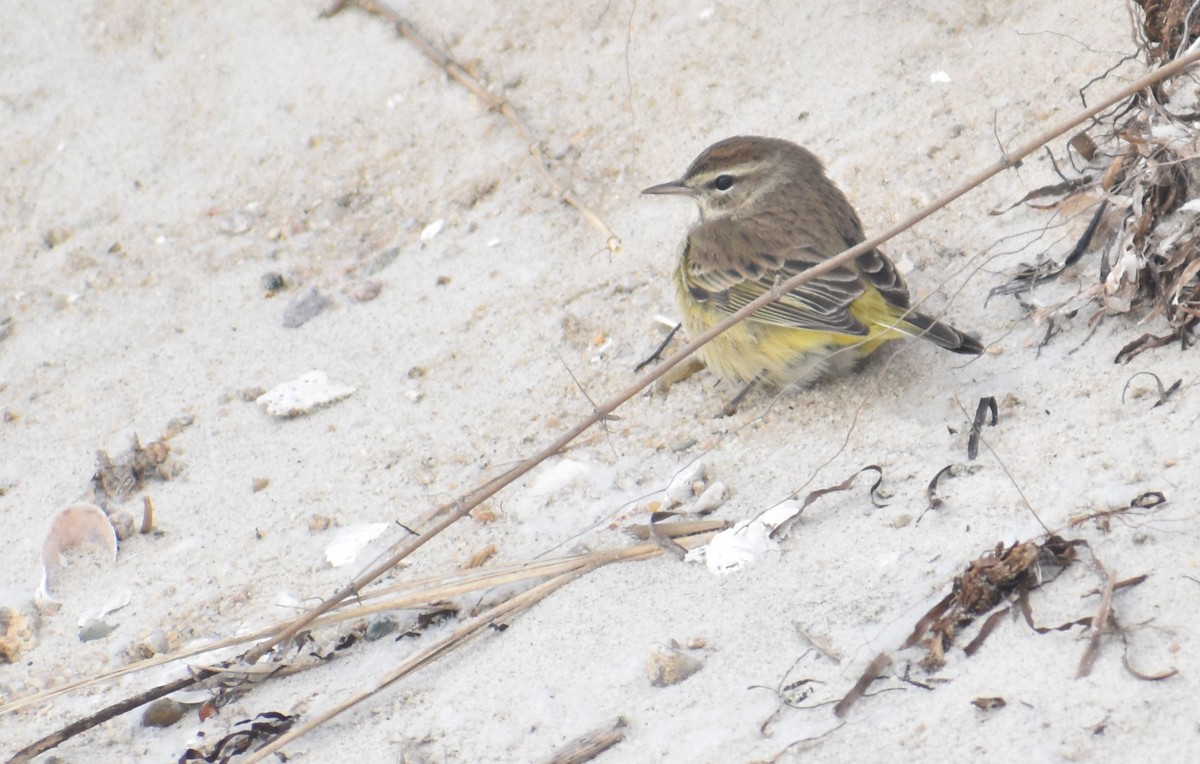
(161, 160)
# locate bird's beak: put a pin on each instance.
(674, 187)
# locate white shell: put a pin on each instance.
(679, 490)
(557, 476)
(735, 548)
(348, 542)
(302, 395)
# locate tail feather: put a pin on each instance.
(942, 334)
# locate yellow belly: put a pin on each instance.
(780, 356)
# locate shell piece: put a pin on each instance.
(679, 490)
(302, 395)
(712, 498)
(96, 615)
(735, 548)
(78, 526)
(350, 541)
(557, 476)
(433, 229)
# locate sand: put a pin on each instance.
(164, 164)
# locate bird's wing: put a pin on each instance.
(879, 271)
(727, 266)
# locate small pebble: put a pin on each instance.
(94, 629)
(163, 713)
(367, 291)
(304, 308)
(273, 282)
(16, 635)
(669, 665)
(124, 524)
(382, 260)
(56, 236)
(155, 643)
(379, 627)
(178, 425)
(236, 223)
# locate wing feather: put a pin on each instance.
(728, 266)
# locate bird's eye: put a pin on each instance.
(723, 182)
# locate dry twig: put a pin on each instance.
(460, 75)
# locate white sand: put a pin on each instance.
(217, 144)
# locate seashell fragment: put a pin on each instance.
(302, 395)
(679, 490)
(735, 548)
(77, 527)
(350, 541)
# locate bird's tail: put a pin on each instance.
(942, 334)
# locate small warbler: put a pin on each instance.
(768, 212)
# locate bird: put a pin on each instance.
(768, 211)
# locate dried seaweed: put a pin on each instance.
(1145, 230)
(1164, 393)
(247, 735)
(782, 529)
(1145, 501)
(950, 470)
(874, 670)
(1011, 574)
(994, 576)
(116, 478)
(981, 411)
(1029, 276)
(1164, 25)
(664, 542)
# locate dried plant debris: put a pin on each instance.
(799, 506)
(587, 747)
(950, 470)
(1164, 393)
(641, 531)
(1146, 501)
(429, 618)
(874, 670)
(1140, 179)
(116, 478)
(1002, 573)
(986, 405)
(1164, 30)
(248, 735)
(995, 584)
(989, 704)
